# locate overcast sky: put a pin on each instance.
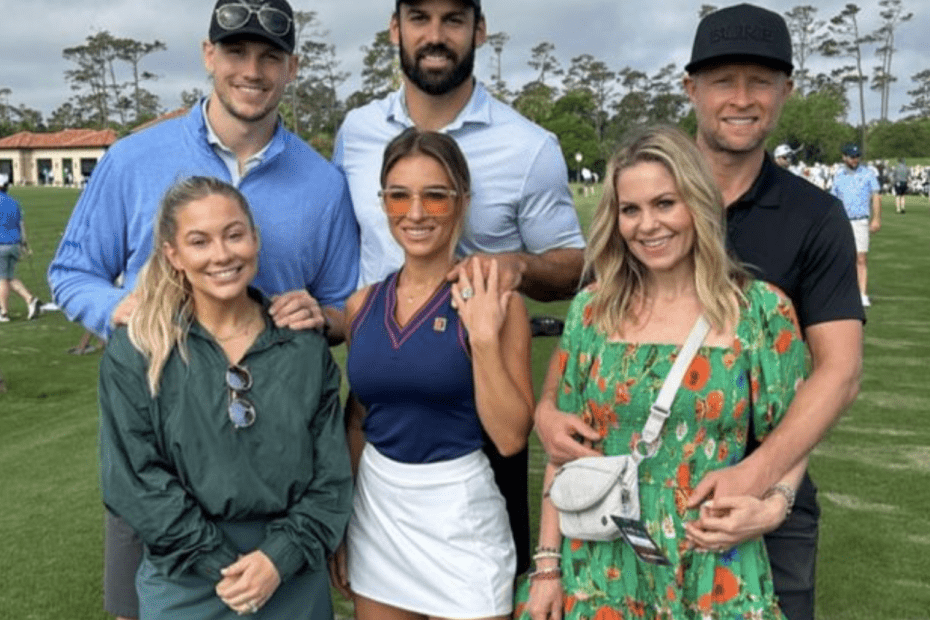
(643, 35)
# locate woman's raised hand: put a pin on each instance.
(481, 305)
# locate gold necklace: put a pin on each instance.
(237, 334)
(424, 290)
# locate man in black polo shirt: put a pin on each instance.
(790, 233)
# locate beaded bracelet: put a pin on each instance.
(546, 573)
(785, 491)
(547, 555)
(542, 549)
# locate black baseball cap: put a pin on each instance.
(268, 20)
(476, 4)
(743, 32)
(852, 150)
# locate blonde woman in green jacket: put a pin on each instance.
(222, 441)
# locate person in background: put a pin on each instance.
(13, 243)
(858, 188)
(435, 367)
(900, 177)
(308, 261)
(221, 437)
(782, 155)
(788, 232)
(521, 208)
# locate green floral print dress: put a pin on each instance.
(727, 391)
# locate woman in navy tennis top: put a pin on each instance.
(432, 364)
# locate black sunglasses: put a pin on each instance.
(236, 15)
(241, 410)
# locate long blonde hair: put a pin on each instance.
(165, 306)
(620, 277)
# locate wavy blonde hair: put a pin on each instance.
(619, 276)
(165, 307)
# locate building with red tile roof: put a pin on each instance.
(62, 158)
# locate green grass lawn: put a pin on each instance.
(873, 470)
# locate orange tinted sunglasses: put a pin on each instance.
(436, 201)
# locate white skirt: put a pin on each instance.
(431, 538)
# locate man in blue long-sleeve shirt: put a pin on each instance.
(309, 252)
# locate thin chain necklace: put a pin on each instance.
(422, 290)
(238, 333)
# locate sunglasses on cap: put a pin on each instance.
(236, 15)
(436, 201)
(241, 410)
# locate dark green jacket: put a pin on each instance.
(173, 466)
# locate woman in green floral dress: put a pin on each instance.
(658, 260)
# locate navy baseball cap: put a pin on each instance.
(852, 150)
(743, 32)
(268, 20)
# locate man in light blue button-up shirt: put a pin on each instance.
(858, 188)
(521, 207)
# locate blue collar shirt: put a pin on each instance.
(520, 198)
(309, 237)
(854, 188)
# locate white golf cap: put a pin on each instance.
(782, 150)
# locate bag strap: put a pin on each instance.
(662, 407)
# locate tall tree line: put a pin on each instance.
(585, 101)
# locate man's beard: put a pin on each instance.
(432, 82)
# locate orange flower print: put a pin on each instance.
(670, 594)
(587, 315)
(714, 405)
(681, 502)
(563, 361)
(687, 450)
(726, 586)
(737, 346)
(607, 613)
(697, 374)
(704, 603)
(602, 384)
(722, 451)
(612, 573)
(568, 603)
(576, 544)
(622, 394)
(700, 407)
(783, 342)
(518, 609)
(740, 435)
(600, 417)
(739, 408)
(637, 608)
(701, 435)
(683, 475)
(680, 574)
(729, 359)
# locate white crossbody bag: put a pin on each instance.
(588, 491)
